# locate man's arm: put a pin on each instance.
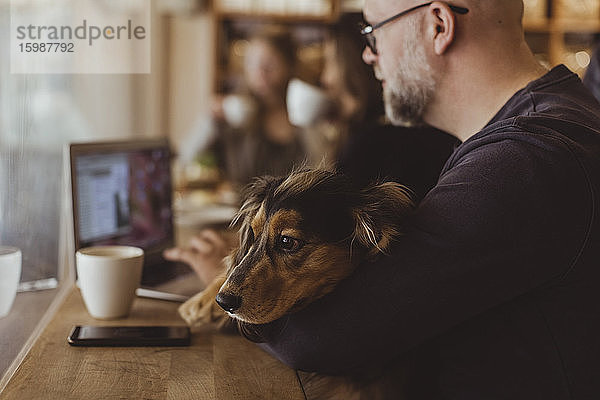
(492, 229)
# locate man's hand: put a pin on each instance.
(205, 255)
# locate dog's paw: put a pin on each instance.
(202, 309)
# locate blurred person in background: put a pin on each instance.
(249, 132)
(250, 135)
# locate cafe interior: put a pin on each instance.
(194, 77)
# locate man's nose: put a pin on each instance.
(368, 56)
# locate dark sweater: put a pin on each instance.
(494, 292)
(413, 157)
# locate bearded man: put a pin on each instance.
(494, 290)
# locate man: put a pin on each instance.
(494, 290)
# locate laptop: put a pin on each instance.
(122, 195)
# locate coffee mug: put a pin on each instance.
(306, 103)
(10, 274)
(108, 277)
(238, 110)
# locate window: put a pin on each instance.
(39, 115)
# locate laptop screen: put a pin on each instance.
(122, 194)
(124, 197)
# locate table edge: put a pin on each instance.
(64, 290)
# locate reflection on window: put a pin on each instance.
(37, 117)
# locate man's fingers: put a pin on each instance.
(213, 237)
(204, 255)
(201, 245)
(178, 254)
(172, 254)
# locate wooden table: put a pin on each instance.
(215, 366)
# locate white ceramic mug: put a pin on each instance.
(306, 103)
(238, 110)
(108, 277)
(10, 274)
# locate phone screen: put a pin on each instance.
(130, 336)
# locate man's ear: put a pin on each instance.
(443, 21)
(378, 218)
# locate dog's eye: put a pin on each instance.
(289, 244)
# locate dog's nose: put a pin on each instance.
(228, 302)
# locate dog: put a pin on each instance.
(299, 236)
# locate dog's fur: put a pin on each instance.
(300, 235)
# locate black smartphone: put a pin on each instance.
(129, 336)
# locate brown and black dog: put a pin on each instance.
(300, 235)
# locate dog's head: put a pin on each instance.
(300, 235)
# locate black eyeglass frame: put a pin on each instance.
(367, 30)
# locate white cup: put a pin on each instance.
(238, 110)
(306, 103)
(108, 277)
(10, 274)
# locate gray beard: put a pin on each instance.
(408, 94)
(405, 108)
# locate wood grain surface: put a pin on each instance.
(15, 329)
(215, 366)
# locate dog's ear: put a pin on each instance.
(380, 212)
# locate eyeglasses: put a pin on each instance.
(367, 30)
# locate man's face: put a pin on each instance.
(401, 63)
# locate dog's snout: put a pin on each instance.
(228, 302)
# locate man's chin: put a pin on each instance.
(403, 110)
(400, 118)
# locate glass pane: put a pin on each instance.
(33, 128)
(39, 115)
